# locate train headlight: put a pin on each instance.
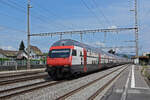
(49, 65)
(66, 65)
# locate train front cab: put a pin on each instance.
(59, 61)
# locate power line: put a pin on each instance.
(11, 28)
(33, 15)
(14, 3)
(42, 15)
(122, 47)
(16, 7)
(84, 3)
(12, 6)
(48, 11)
(8, 15)
(82, 32)
(106, 19)
(20, 8)
(127, 41)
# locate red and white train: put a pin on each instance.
(69, 57)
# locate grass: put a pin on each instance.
(145, 71)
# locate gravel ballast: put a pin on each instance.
(53, 92)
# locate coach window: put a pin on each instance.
(74, 53)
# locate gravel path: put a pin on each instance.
(53, 92)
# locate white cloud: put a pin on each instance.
(96, 44)
(100, 44)
(1, 28)
(112, 27)
(118, 14)
(8, 48)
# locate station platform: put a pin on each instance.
(22, 71)
(131, 85)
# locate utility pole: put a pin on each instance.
(81, 37)
(60, 36)
(136, 29)
(28, 35)
(105, 33)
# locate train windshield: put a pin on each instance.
(59, 53)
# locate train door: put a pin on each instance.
(99, 61)
(85, 60)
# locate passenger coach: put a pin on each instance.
(69, 57)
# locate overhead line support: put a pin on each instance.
(28, 35)
(118, 47)
(82, 32)
(136, 29)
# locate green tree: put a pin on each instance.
(125, 56)
(21, 46)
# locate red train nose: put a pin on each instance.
(59, 61)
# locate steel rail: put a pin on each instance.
(21, 74)
(102, 88)
(29, 90)
(20, 87)
(5, 82)
(84, 86)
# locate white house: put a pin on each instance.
(35, 53)
(8, 54)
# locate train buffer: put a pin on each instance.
(131, 85)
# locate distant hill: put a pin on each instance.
(125, 55)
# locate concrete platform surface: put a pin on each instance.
(129, 86)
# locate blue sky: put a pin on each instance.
(66, 15)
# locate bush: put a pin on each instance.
(4, 59)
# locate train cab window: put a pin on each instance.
(59, 53)
(74, 53)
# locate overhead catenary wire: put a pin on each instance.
(11, 28)
(81, 32)
(17, 7)
(51, 13)
(101, 12)
(21, 9)
(93, 13)
(12, 6)
(12, 17)
(35, 14)
(44, 16)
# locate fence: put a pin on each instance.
(20, 64)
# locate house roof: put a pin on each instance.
(8, 53)
(21, 54)
(36, 50)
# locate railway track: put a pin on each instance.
(27, 88)
(102, 88)
(2, 76)
(8, 93)
(65, 96)
(22, 79)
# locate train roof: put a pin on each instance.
(69, 42)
